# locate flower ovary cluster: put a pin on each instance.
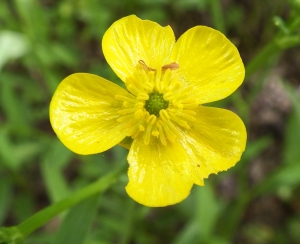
(155, 103)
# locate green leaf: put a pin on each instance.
(77, 223)
(10, 235)
(9, 159)
(56, 158)
(291, 152)
(207, 210)
(12, 45)
(11, 103)
(6, 197)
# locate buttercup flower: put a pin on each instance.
(173, 140)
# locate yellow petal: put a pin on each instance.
(209, 62)
(216, 140)
(158, 175)
(131, 39)
(83, 113)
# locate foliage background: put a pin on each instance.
(258, 201)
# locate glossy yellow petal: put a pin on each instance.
(83, 113)
(131, 39)
(158, 175)
(209, 62)
(216, 140)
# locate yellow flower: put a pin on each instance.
(173, 141)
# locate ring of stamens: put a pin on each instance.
(160, 105)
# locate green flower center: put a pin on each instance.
(155, 103)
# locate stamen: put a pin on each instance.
(139, 105)
(187, 116)
(180, 122)
(139, 114)
(148, 134)
(174, 85)
(190, 112)
(135, 135)
(160, 106)
(162, 136)
(178, 105)
(170, 135)
(173, 128)
(189, 100)
(125, 118)
(171, 66)
(168, 96)
(164, 115)
(190, 103)
(155, 131)
(151, 119)
(151, 76)
(126, 111)
(148, 87)
(126, 104)
(158, 80)
(135, 128)
(133, 89)
(128, 125)
(143, 96)
(166, 79)
(123, 98)
(190, 106)
(144, 66)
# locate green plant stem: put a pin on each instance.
(270, 50)
(43, 216)
(217, 15)
(273, 48)
(128, 222)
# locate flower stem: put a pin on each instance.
(43, 216)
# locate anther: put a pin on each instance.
(151, 119)
(164, 115)
(133, 89)
(143, 96)
(171, 66)
(139, 105)
(168, 96)
(139, 114)
(141, 128)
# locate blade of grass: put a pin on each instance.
(77, 223)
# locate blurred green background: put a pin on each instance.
(257, 201)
